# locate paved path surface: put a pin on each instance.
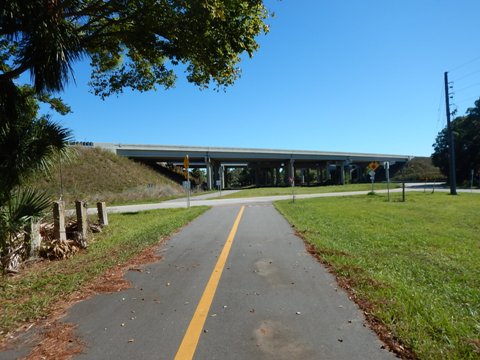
(210, 199)
(219, 202)
(273, 301)
(208, 195)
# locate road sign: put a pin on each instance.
(374, 165)
(186, 162)
(186, 185)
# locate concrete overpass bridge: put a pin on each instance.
(271, 167)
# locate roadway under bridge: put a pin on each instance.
(269, 167)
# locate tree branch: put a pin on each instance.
(10, 75)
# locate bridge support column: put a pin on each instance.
(222, 176)
(216, 174)
(353, 169)
(225, 177)
(342, 173)
(276, 176)
(291, 170)
(208, 166)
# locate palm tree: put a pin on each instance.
(46, 43)
(28, 144)
(40, 39)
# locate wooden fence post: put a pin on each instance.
(59, 220)
(102, 213)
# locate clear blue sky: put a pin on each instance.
(332, 75)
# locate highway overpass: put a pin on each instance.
(270, 164)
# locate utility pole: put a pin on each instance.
(451, 146)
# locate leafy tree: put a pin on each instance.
(466, 130)
(234, 177)
(417, 169)
(130, 44)
(198, 175)
(133, 44)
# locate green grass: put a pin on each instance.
(157, 200)
(144, 201)
(417, 263)
(272, 191)
(33, 294)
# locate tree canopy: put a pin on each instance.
(134, 44)
(466, 130)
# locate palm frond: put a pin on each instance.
(51, 48)
(22, 206)
(27, 146)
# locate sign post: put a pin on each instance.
(372, 178)
(186, 164)
(374, 165)
(471, 181)
(292, 184)
(386, 165)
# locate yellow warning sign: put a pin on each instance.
(374, 165)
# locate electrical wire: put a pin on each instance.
(441, 116)
(466, 87)
(465, 64)
(466, 76)
(463, 101)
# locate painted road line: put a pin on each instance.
(190, 340)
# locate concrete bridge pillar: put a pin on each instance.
(342, 173)
(353, 169)
(329, 175)
(225, 177)
(222, 169)
(291, 169)
(216, 174)
(276, 176)
(208, 166)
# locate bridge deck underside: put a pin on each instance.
(270, 168)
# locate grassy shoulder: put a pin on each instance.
(416, 264)
(158, 200)
(33, 294)
(272, 191)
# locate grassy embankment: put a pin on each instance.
(272, 191)
(34, 293)
(94, 175)
(414, 265)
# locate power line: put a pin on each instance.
(466, 76)
(465, 64)
(466, 87)
(462, 101)
(440, 113)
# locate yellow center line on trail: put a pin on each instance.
(190, 340)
